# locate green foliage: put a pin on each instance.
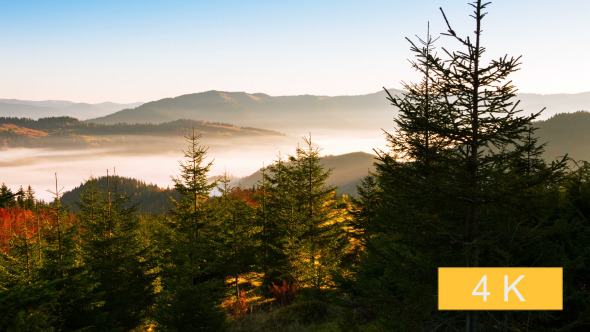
(191, 307)
(320, 240)
(7, 197)
(277, 220)
(191, 275)
(234, 211)
(569, 247)
(45, 132)
(28, 307)
(114, 258)
(302, 232)
(148, 198)
(463, 185)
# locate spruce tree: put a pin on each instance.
(321, 240)
(454, 167)
(277, 218)
(236, 215)
(191, 275)
(6, 197)
(113, 257)
(303, 239)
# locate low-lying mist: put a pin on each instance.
(155, 159)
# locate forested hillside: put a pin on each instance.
(566, 134)
(146, 198)
(67, 132)
(466, 181)
(212, 255)
(347, 172)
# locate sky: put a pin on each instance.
(138, 51)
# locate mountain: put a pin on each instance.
(347, 171)
(306, 112)
(284, 113)
(54, 108)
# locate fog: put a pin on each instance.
(156, 159)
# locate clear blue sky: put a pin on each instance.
(126, 51)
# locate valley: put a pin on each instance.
(243, 132)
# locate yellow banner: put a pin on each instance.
(495, 288)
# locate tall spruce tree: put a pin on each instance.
(321, 239)
(409, 218)
(277, 218)
(236, 215)
(191, 274)
(452, 171)
(303, 239)
(114, 258)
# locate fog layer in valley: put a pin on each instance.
(155, 159)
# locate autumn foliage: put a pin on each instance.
(18, 222)
(237, 307)
(285, 293)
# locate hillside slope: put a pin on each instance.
(147, 198)
(347, 171)
(566, 134)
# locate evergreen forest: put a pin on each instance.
(464, 183)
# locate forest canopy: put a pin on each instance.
(463, 183)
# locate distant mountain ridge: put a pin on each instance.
(307, 112)
(54, 108)
(283, 113)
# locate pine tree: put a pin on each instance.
(277, 218)
(191, 276)
(6, 197)
(303, 232)
(321, 240)
(363, 211)
(59, 251)
(114, 258)
(29, 202)
(236, 214)
(453, 169)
